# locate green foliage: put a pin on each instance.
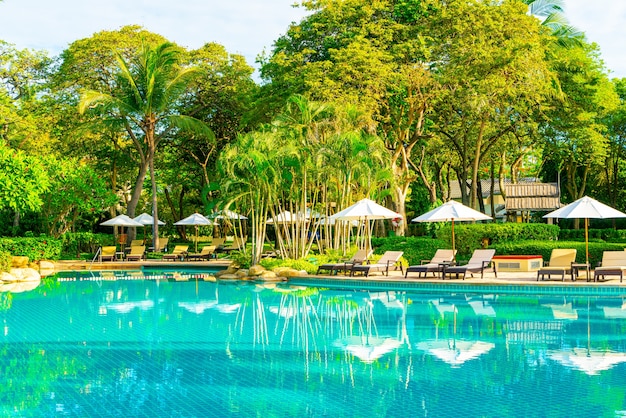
(5, 261)
(41, 248)
(309, 265)
(241, 259)
(77, 193)
(23, 180)
(472, 236)
(415, 249)
(608, 234)
(544, 248)
(75, 243)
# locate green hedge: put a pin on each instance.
(544, 249)
(607, 234)
(415, 249)
(472, 236)
(40, 248)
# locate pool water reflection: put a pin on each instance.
(199, 349)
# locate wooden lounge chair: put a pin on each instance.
(478, 263)
(136, 253)
(218, 242)
(560, 264)
(613, 264)
(108, 253)
(391, 259)
(162, 245)
(238, 244)
(179, 253)
(208, 252)
(441, 259)
(358, 258)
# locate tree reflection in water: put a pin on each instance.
(148, 348)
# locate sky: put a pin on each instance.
(245, 27)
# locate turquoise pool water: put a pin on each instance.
(163, 348)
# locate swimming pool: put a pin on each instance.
(161, 348)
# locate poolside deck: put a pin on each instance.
(504, 278)
(82, 265)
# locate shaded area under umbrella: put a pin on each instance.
(196, 220)
(586, 208)
(364, 211)
(122, 221)
(450, 212)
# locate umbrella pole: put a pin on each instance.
(587, 240)
(453, 239)
(196, 238)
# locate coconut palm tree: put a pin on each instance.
(144, 106)
(551, 11)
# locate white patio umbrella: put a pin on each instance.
(450, 212)
(196, 220)
(122, 221)
(586, 208)
(365, 210)
(146, 220)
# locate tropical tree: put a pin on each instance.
(144, 105)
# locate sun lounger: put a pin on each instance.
(208, 252)
(136, 253)
(108, 253)
(560, 264)
(391, 259)
(179, 253)
(481, 259)
(358, 258)
(435, 265)
(162, 245)
(238, 244)
(613, 264)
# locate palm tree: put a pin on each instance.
(551, 11)
(144, 106)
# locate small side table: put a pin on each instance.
(576, 267)
(119, 255)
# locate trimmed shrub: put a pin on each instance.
(40, 248)
(309, 265)
(608, 235)
(415, 249)
(544, 249)
(472, 236)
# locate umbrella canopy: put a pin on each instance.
(146, 219)
(586, 208)
(196, 220)
(591, 362)
(455, 352)
(364, 211)
(121, 220)
(450, 212)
